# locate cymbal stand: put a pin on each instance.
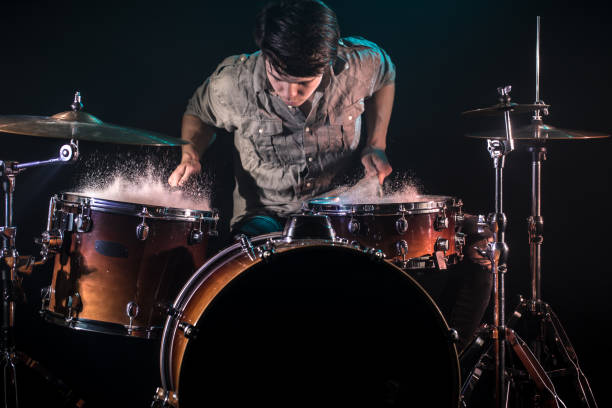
(499, 334)
(9, 258)
(544, 322)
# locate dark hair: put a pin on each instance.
(298, 37)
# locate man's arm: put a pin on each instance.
(200, 136)
(377, 116)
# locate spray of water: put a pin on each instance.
(139, 181)
(401, 189)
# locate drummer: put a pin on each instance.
(295, 109)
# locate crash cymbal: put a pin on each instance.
(500, 108)
(79, 125)
(82, 126)
(540, 131)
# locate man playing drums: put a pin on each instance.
(295, 110)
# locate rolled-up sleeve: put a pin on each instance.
(374, 64)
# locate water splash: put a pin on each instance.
(140, 181)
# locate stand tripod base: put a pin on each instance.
(532, 378)
(546, 336)
(477, 362)
(24, 388)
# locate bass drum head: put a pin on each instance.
(320, 325)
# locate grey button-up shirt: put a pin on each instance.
(285, 157)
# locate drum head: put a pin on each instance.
(320, 325)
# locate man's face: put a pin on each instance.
(294, 91)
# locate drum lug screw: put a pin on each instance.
(189, 330)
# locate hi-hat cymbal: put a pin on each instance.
(82, 126)
(501, 108)
(540, 132)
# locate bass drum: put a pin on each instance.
(270, 322)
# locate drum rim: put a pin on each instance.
(233, 251)
(137, 209)
(433, 204)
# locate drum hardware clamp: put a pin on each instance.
(189, 330)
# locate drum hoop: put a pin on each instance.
(137, 209)
(183, 297)
(197, 279)
(418, 207)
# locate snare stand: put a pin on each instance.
(499, 334)
(10, 263)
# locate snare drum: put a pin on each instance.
(119, 265)
(284, 322)
(413, 235)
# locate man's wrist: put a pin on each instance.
(372, 149)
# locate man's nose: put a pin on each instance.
(292, 90)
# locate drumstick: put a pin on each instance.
(379, 190)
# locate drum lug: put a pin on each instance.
(189, 330)
(164, 399)
(402, 249)
(401, 225)
(83, 220)
(142, 229)
(132, 309)
(196, 236)
(74, 304)
(441, 222)
(453, 335)
(376, 254)
(459, 218)
(212, 231)
(353, 226)
(442, 244)
(459, 241)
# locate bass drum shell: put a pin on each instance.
(317, 323)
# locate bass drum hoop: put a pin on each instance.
(170, 374)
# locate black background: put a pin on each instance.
(137, 64)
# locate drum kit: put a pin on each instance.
(257, 319)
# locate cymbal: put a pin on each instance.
(539, 131)
(82, 126)
(501, 108)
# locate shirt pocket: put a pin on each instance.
(263, 134)
(349, 121)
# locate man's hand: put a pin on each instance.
(200, 136)
(188, 167)
(376, 163)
